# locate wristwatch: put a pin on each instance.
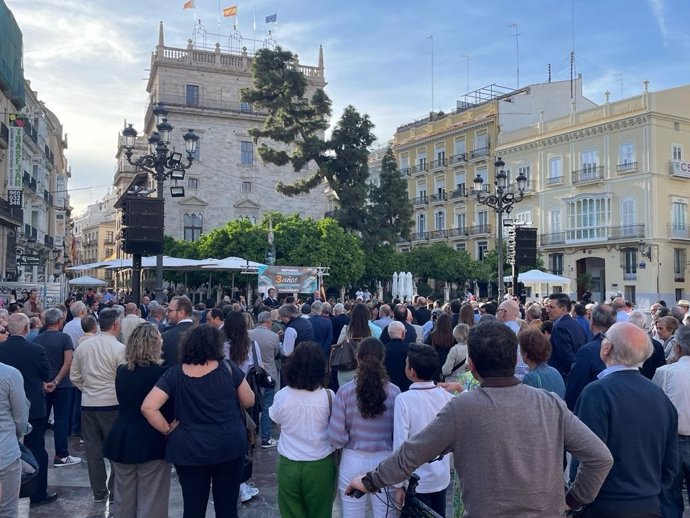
(368, 483)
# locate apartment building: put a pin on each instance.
(443, 153)
(610, 188)
(95, 235)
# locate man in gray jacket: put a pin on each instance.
(269, 345)
(507, 440)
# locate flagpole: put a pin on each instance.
(219, 20)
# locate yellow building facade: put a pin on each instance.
(609, 193)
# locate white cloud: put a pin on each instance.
(657, 7)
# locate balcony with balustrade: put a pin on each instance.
(459, 194)
(437, 164)
(679, 231)
(438, 234)
(478, 153)
(420, 200)
(588, 175)
(419, 236)
(626, 167)
(589, 235)
(478, 230)
(462, 232)
(458, 159)
(438, 197)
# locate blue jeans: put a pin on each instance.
(672, 499)
(61, 402)
(266, 423)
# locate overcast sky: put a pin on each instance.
(88, 59)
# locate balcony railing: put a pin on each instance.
(480, 229)
(459, 232)
(438, 234)
(554, 180)
(420, 200)
(627, 276)
(405, 171)
(679, 277)
(677, 231)
(456, 159)
(588, 174)
(679, 168)
(438, 196)
(479, 153)
(627, 167)
(554, 238)
(419, 236)
(438, 163)
(48, 241)
(419, 168)
(626, 232)
(459, 193)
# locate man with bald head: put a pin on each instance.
(637, 422)
(32, 361)
(131, 320)
(396, 353)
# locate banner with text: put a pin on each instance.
(14, 160)
(288, 279)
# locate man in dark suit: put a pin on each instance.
(400, 315)
(422, 314)
(323, 330)
(32, 361)
(271, 301)
(567, 336)
(588, 364)
(339, 320)
(396, 354)
(180, 317)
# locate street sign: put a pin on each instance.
(29, 260)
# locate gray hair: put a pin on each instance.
(396, 329)
(638, 318)
(534, 311)
(338, 309)
(624, 351)
(76, 308)
(52, 316)
(326, 308)
(263, 317)
(18, 324)
(289, 311)
(678, 313)
(108, 317)
(603, 316)
(316, 307)
(683, 340)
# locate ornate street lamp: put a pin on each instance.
(161, 163)
(502, 202)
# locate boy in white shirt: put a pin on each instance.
(415, 409)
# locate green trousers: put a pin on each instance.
(305, 488)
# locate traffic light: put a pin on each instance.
(142, 225)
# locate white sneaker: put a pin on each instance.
(271, 443)
(66, 461)
(247, 492)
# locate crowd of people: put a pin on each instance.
(478, 398)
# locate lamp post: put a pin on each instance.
(161, 163)
(502, 202)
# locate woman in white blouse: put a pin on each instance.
(306, 471)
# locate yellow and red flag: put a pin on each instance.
(189, 4)
(230, 11)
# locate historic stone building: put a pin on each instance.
(200, 88)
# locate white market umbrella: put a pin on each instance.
(394, 286)
(85, 280)
(232, 263)
(409, 286)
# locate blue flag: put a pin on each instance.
(272, 18)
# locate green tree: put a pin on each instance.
(380, 262)
(390, 210)
(439, 261)
(297, 125)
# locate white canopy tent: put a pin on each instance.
(85, 280)
(537, 279)
(231, 263)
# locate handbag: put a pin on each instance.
(247, 421)
(261, 376)
(30, 470)
(455, 367)
(343, 356)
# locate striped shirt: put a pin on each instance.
(348, 429)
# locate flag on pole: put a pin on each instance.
(272, 18)
(230, 11)
(189, 4)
